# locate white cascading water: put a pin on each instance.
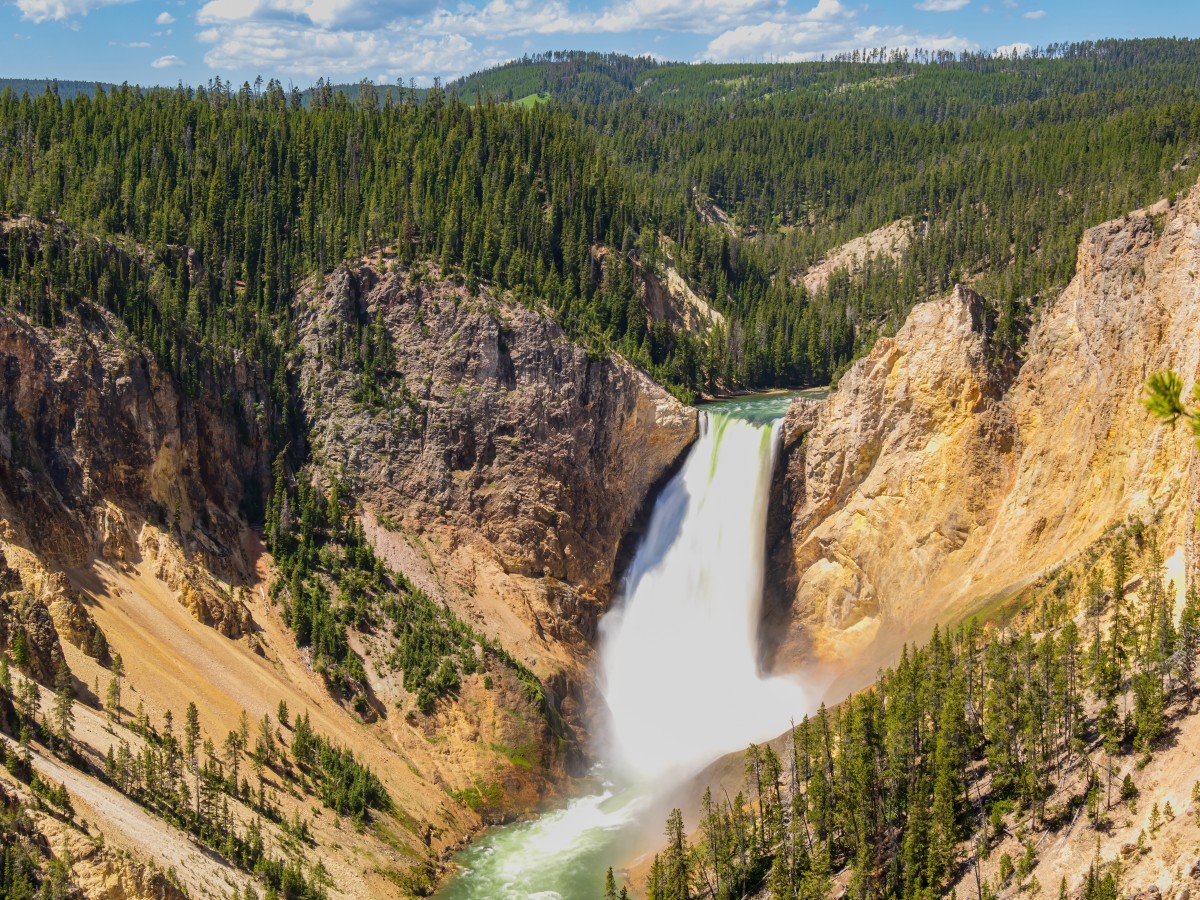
(679, 669)
(680, 655)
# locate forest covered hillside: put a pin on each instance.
(1003, 162)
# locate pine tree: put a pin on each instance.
(656, 880)
(610, 885)
(64, 706)
(1189, 641)
(265, 747)
(675, 863)
(20, 652)
(113, 699)
(29, 700)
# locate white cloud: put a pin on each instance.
(59, 10)
(940, 5)
(424, 38)
(129, 43)
(343, 15)
(1011, 4)
(826, 29)
(164, 18)
(505, 18)
(689, 15)
(295, 50)
(1019, 48)
(167, 62)
(1034, 14)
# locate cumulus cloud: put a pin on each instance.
(312, 52)
(164, 18)
(424, 38)
(826, 29)
(687, 15)
(1018, 48)
(345, 38)
(505, 18)
(342, 15)
(59, 10)
(940, 5)
(167, 62)
(1034, 14)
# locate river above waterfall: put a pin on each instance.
(679, 667)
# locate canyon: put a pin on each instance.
(507, 472)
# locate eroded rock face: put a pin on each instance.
(66, 607)
(96, 440)
(94, 871)
(937, 475)
(24, 617)
(85, 423)
(502, 452)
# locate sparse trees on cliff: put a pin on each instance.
(892, 783)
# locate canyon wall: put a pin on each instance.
(941, 474)
(104, 456)
(503, 464)
(95, 436)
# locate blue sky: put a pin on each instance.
(166, 41)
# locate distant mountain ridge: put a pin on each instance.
(65, 88)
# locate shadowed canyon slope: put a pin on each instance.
(942, 474)
(104, 457)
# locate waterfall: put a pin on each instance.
(680, 652)
(678, 665)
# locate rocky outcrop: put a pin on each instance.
(101, 873)
(502, 462)
(210, 602)
(96, 441)
(669, 298)
(26, 629)
(66, 607)
(889, 242)
(938, 476)
(92, 870)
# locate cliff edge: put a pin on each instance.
(942, 474)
